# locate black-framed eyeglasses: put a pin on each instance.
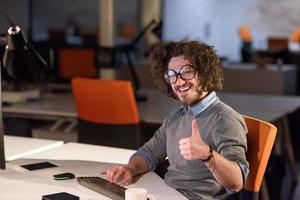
(186, 72)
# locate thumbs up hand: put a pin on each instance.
(193, 147)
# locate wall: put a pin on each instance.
(216, 21)
(187, 18)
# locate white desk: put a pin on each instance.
(19, 147)
(87, 152)
(72, 157)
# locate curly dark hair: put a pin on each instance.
(201, 56)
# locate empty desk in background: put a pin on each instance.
(247, 78)
(74, 157)
(158, 106)
(265, 107)
(48, 107)
(19, 147)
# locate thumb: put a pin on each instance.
(195, 130)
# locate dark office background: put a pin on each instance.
(56, 15)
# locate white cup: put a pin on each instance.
(137, 194)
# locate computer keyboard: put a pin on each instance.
(104, 187)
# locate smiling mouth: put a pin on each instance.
(184, 89)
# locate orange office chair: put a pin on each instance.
(260, 138)
(246, 49)
(295, 35)
(245, 34)
(107, 112)
(77, 62)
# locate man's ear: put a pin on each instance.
(201, 83)
(200, 90)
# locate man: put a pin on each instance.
(204, 140)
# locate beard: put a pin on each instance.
(191, 95)
(190, 101)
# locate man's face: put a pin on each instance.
(185, 90)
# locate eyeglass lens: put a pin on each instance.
(186, 72)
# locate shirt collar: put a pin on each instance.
(202, 105)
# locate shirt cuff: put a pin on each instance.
(245, 171)
(147, 158)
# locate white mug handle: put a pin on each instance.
(150, 197)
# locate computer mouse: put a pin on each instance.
(63, 176)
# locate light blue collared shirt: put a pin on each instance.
(202, 105)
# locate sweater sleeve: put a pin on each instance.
(230, 140)
(154, 150)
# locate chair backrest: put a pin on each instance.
(77, 62)
(245, 34)
(295, 35)
(261, 136)
(107, 112)
(105, 101)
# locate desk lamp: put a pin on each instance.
(23, 63)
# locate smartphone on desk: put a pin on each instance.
(36, 166)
